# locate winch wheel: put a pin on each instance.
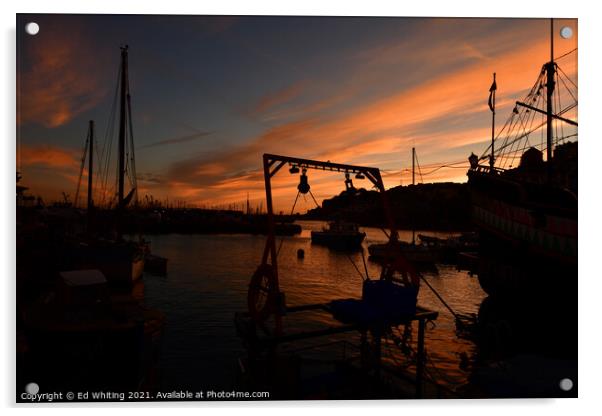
(261, 297)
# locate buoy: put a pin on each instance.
(300, 253)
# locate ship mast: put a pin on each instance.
(413, 183)
(122, 123)
(550, 84)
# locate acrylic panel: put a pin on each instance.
(295, 208)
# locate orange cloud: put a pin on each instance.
(49, 156)
(373, 131)
(54, 83)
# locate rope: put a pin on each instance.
(292, 211)
(365, 265)
(440, 298)
(568, 53)
(354, 266)
(81, 170)
(312, 196)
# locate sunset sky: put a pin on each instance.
(210, 95)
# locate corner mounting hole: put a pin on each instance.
(32, 28)
(566, 384)
(566, 32)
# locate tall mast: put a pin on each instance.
(122, 122)
(90, 165)
(550, 71)
(492, 158)
(413, 167)
(413, 183)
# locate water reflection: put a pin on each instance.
(207, 282)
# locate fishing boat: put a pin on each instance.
(414, 252)
(448, 249)
(526, 215)
(339, 234)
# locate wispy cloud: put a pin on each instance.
(177, 140)
(46, 155)
(59, 84)
(275, 99)
(431, 115)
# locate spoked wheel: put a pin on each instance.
(262, 296)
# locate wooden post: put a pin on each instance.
(420, 358)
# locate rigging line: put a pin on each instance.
(566, 87)
(134, 181)
(541, 130)
(419, 170)
(81, 169)
(568, 78)
(541, 125)
(365, 265)
(528, 122)
(96, 172)
(568, 53)
(312, 196)
(109, 135)
(524, 114)
(354, 266)
(559, 103)
(387, 173)
(292, 211)
(509, 120)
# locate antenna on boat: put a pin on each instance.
(413, 166)
(550, 72)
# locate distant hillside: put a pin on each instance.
(442, 206)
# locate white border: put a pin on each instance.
(590, 151)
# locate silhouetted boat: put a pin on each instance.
(419, 254)
(415, 253)
(121, 261)
(448, 249)
(339, 234)
(81, 334)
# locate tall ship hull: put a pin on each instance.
(528, 236)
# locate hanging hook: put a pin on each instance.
(303, 186)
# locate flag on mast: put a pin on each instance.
(492, 95)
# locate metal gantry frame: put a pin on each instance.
(265, 280)
(272, 164)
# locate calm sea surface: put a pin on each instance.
(207, 282)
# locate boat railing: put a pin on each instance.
(487, 169)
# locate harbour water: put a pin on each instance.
(207, 281)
